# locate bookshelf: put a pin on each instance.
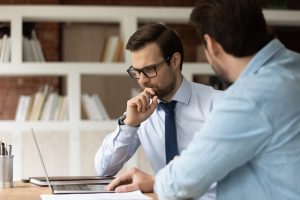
(69, 146)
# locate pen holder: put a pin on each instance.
(6, 171)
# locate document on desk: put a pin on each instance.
(136, 195)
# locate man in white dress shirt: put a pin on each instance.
(157, 56)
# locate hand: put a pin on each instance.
(131, 180)
(139, 107)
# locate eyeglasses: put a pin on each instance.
(149, 71)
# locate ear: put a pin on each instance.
(212, 46)
(175, 60)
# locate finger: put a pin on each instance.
(150, 92)
(112, 185)
(144, 99)
(135, 102)
(139, 104)
(153, 104)
(118, 180)
(127, 188)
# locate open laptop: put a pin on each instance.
(71, 188)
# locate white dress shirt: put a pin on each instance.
(194, 103)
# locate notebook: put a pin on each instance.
(68, 188)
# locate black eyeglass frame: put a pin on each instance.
(152, 67)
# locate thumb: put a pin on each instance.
(127, 188)
(153, 104)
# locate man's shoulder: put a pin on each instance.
(201, 86)
(206, 89)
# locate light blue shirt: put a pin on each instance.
(194, 104)
(250, 144)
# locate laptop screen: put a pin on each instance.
(41, 159)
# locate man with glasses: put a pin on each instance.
(157, 57)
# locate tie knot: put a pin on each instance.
(169, 106)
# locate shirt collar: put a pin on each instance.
(262, 57)
(183, 93)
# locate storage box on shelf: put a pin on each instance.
(76, 140)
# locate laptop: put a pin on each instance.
(69, 188)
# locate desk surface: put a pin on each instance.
(26, 191)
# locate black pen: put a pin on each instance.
(2, 149)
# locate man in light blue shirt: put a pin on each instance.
(250, 142)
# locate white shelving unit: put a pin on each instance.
(128, 19)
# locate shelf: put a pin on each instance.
(58, 68)
(108, 125)
(282, 17)
(57, 126)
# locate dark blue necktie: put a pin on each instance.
(170, 131)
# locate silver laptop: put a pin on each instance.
(71, 188)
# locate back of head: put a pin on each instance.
(237, 25)
(167, 40)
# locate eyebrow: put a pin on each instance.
(151, 65)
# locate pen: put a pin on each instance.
(9, 149)
(2, 149)
(5, 149)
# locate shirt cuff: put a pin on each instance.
(125, 133)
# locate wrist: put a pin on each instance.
(122, 119)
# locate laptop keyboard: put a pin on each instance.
(78, 187)
(72, 187)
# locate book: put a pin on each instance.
(118, 52)
(23, 107)
(27, 50)
(35, 52)
(7, 51)
(38, 47)
(20, 108)
(49, 106)
(63, 113)
(100, 106)
(67, 180)
(3, 48)
(91, 108)
(109, 49)
(60, 110)
(38, 104)
(29, 109)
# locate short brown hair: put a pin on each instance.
(167, 40)
(238, 25)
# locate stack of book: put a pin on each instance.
(32, 49)
(43, 105)
(93, 108)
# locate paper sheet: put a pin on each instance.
(136, 195)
